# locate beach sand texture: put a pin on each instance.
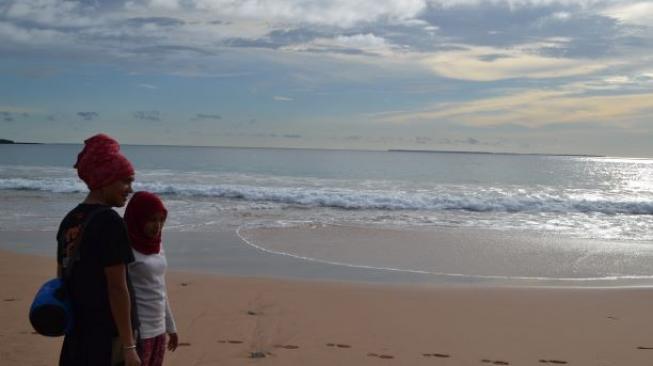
(242, 321)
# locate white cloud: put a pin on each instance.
(165, 4)
(561, 15)
(361, 42)
(639, 13)
(280, 98)
(519, 3)
(52, 12)
(31, 37)
(147, 86)
(342, 13)
(535, 108)
(489, 64)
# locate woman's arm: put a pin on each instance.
(121, 310)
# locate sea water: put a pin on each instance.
(215, 189)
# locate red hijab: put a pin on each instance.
(100, 163)
(140, 209)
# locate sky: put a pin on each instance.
(528, 76)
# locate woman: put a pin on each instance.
(98, 282)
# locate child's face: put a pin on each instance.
(154, 225)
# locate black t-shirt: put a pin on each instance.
(104, 243)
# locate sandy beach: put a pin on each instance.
(224, 320)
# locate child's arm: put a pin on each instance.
(171, 329)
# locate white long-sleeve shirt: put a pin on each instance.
(147, 274)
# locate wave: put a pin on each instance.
(55, 185)
(474, 199)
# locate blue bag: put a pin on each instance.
(51, 313)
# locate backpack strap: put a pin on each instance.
(73, 247)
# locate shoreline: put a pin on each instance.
(324, 254)
(224, 320)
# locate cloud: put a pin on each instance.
(12, 34)
(637, 13)
(52, 12)
(535, 108)
(159, 22)
(201, 37)
(347, 44)
(280, 98)
(147, 115)
(319, 12)
(202, 116)
(490, 64)
(13, 114)
(88, 116)
(147, 86)
(6, 116)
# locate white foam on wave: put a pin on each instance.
(441, 198)
(55, 185)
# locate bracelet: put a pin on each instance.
(127, 348)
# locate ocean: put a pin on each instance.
(213, 189)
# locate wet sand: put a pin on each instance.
(446, 256)
(228, 320)
(472, 255)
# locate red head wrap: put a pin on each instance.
(100, 163)
(140, 209)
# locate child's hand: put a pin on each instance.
(173, 341)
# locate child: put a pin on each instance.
(144, 216)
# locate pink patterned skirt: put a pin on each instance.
(152, 350)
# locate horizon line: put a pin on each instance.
(399, 150)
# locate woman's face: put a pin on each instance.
(153, 226)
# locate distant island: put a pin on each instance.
(5, 141)
(491, 153)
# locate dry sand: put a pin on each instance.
(223, 320)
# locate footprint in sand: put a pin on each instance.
(495, 362)
(385, 357)
(440, 355)
(184, 284)
(339, 345)
(285, 346)
(642, 347)
(559, 362)
(230, 341)
(184, 344)
(259, 354)
(9, 299)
